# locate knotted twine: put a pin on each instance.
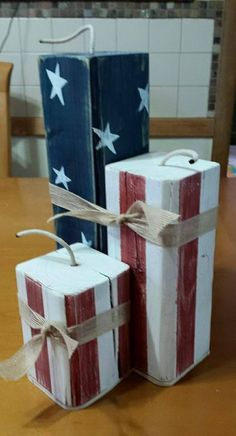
(20, 363)
(154, 224)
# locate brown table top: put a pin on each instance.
(201, 404)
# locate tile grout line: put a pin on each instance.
(180, 51)
(21, 64)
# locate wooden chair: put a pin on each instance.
(5, 129)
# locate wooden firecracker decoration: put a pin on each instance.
(72, 295)
(96, 112)
(171, 287)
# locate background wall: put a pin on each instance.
(183, 40)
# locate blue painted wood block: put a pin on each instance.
(95, 112)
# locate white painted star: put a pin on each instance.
(57, 83)
(61, 177)
(106, 138)
(84, 240)
(144, 95)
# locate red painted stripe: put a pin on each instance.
(84, 364)
(189, 205)
(124, 330)
(133, 252)
(35, 301)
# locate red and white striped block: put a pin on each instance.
(171, 288)
(71, 295)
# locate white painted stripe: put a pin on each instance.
(26, 330)
(115, 303)
(206, 245)
(113, 204)
(108, 370)
(162, 275)
(54, 310)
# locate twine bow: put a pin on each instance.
(159, 226)
(147, 221)
(19, 364)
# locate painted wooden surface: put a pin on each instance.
(70, 296)
(165, 282)
(202, 403)
(95, 112)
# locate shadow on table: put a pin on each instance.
(134, 391)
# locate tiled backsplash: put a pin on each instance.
(119, 9)
(180, 62)
(184, 50)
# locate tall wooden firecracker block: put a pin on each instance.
(171, 286)
(70, 296)
(95, 113)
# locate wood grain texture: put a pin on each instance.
(181, 127)
(84, 364)
(27, 126)
(123, 282)
(159, 127)
(189, 206)
(35, 301)
(133, 252)
(226, 88)
(203, 403)
(5, 130)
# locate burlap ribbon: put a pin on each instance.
(159, 226)
(19, 364)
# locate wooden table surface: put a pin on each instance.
(202, 404)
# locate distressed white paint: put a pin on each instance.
(162, 189)
(113, 204)
(26, 330)
(58, 278)
(206, 246)
(108, 370)
(54, 310)
(162, 276)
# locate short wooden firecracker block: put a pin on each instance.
(71, 295)
(171, 287)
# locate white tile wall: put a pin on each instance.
(195, 69)
(13, 41)
(203, 146)
(192, 101)
(132, 35)
(197, 35)
(165, 35)
(61, 28)
(180, 58)
(31, 31)
(105, 33)
(15, 59)
(33, 101)
(163, 101)
(164, 69)
(30, 68)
